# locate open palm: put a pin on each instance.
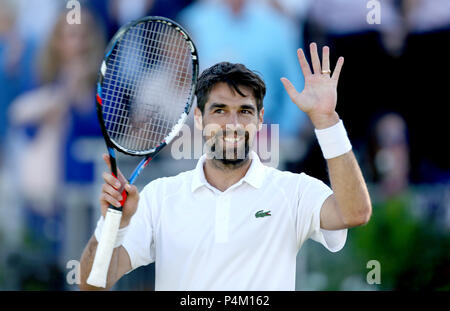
(318, 98)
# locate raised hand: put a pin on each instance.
(318, 98)
(112, 194)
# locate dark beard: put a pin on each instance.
(237, 161)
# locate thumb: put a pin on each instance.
(132, 194)
(131, 189)
(290, 89)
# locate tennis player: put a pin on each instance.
(233, 223)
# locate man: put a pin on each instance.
(233, 223)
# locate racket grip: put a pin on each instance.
(99, 271)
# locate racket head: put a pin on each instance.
(146, 85)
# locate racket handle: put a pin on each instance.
(99, 271)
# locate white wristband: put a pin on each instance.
(120, 234)
(333, 140)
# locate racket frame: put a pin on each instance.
(100, 266)
(101, 75)
(110, 143)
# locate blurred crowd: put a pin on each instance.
(391, 98)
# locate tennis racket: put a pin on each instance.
(145, 90)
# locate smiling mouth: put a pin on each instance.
(233, 140)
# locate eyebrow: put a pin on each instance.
(248, 107)
(216, 105)
(219, 106)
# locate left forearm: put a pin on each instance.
(350, 190)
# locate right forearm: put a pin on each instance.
(87, 259)
(120, 262)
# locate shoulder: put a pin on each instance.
(289, 181)
(164, 186)
(274, 175)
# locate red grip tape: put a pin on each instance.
(124, 193)
(124, 196)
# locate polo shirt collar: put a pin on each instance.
(254, 175)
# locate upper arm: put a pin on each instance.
(318, 217)
(330, 216)
(124, 265)
(139, 242)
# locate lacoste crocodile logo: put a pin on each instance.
(261, 213)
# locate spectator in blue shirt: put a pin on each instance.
(255, 34)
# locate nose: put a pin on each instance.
(234, 119)
(233, 122)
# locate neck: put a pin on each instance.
(223, 176)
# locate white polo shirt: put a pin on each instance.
(245, 238)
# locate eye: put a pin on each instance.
(247, 111)
(219, 111)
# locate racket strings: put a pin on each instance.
(148, 83)
(127, 76)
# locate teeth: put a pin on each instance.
(232, 140)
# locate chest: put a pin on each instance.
(207, 224)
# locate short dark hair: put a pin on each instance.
(234, 75)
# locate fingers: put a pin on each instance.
(325, 58)
(113, 195)
(337, 69)
(119, 173)
(106, 159)
(111, 180)
(317, 66)
(109, 199)
(112, 192)
(303, 63)
(315, 58)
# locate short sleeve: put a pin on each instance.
(139, 240)
(312, 194)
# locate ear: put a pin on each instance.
(260, 119)
(198, 119)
